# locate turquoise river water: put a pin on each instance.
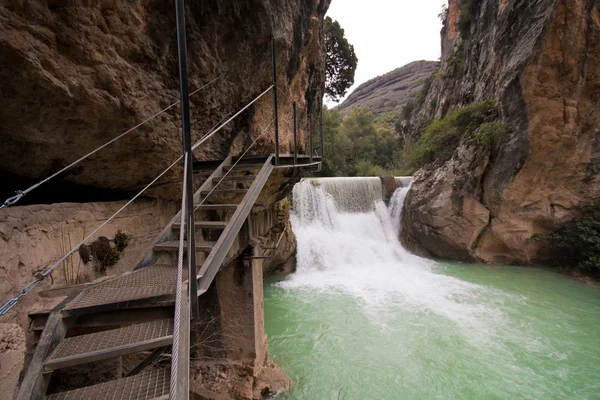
(363, 319)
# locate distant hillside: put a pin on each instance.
(390, 91)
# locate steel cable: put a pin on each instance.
(41, 276)
(265, 129)
(178, 290)
(194, 147)
(20, 193)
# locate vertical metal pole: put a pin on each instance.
(295, 134)
(187, 151)
(275, 110)
(321, 132)
(310, 146)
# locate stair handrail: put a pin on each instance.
(9, 304)
(204, 139)
(264, 130)
(47, 272)
(180, 373)
(181, 312)
(301, 110)
(21, 193)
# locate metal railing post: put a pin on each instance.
(187, 151)
(275, 110)
(321, 133)
(310, 144)
(295, 134)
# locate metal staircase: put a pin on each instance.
(146, 316)
(134, 313)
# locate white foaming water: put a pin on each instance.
(347, 242)
(396, 206)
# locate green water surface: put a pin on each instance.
(523, 333)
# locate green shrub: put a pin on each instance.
(425, 89)
(472, 116)
(441, 137)
(419, 153)
(366, 168)
(456, 62)
(389, 120)
(360, 136)
(121, 240)
(489, 134)
(443, 16)
(408, 109)
(576, 243)
(102, 252)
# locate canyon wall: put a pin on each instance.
(540, 61)
(78, 73)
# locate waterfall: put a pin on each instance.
(362, 313)
(344, 222)
(348, 242)
(396, 206)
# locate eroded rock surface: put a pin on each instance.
(541, 62)
(78, 73)
(12, 358)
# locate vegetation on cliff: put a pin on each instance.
(341, 61)
(480, 205)
(576, 244)
(477, 122)
(364, 145)
(103, 253)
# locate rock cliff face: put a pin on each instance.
(78, 73)
(391, 91)
(540, 61)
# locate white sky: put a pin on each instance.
(388, 34)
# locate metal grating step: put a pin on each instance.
(97, 346)
(235, 178)
(150, 283)
(174, 246)
(204, 225)
(223, 191)
(217, 206)
(148, 385)
(243, 167)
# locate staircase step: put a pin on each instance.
(98, 346)
(173, 246)
(217, 206)
(143, 286)
(204, 225)
(223, 191)
(152, 384)
(235, 178)
(243, 167)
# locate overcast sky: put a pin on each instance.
(388, 34)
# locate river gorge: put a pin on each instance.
(362, 318)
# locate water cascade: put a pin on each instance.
(362, 318)
(347, 241)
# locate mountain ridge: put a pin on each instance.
(390, 91)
